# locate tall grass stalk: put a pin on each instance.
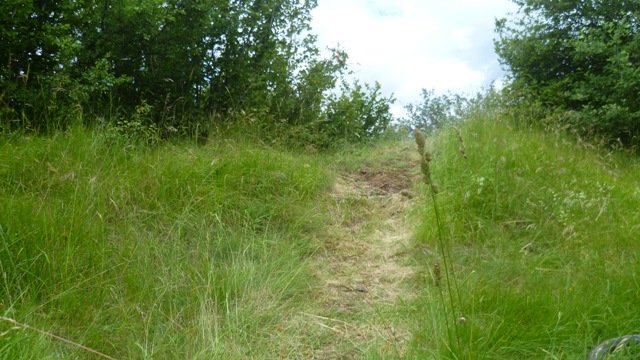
(453, 292)
(18, 324)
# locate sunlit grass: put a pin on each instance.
(544, 236)
(173, 251)
(185, 251)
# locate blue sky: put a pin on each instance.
(407, 45)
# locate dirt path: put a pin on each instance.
(366, 266)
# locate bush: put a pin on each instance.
(359, 113)
(438, 111)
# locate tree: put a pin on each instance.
(578, 56)
(32, 34)
(437, 111)
(254, 61)
(169, 64)
(359, 112)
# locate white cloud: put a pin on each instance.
(408, 45)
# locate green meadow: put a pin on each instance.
(183, 250)
(211, 179)
(174, 251)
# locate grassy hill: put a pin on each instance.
(175, 251)
(544, 237)
(235, 249)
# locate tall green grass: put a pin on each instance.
(184, 251)
(172, 251)
(544, 235)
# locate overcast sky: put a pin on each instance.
(407, 45)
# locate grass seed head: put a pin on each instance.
(425, 160)
(437, 274)
(420, 140)
(462, 148)
(426, 170)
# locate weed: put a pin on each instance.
(451, 304)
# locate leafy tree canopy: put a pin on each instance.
(580, 57)
(168, 62)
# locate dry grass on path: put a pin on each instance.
(365, 266)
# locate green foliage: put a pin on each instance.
(186, 60)
(435, 112)
(305, 102)
(578, 56)
(360, 112)
(138, 128)
(33, 87)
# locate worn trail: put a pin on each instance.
(366, 266)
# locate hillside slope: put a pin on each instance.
(235, 250)
(544, 237)
(228, 250)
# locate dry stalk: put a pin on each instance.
(57, 337)
(462, 149)
(450, 277)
